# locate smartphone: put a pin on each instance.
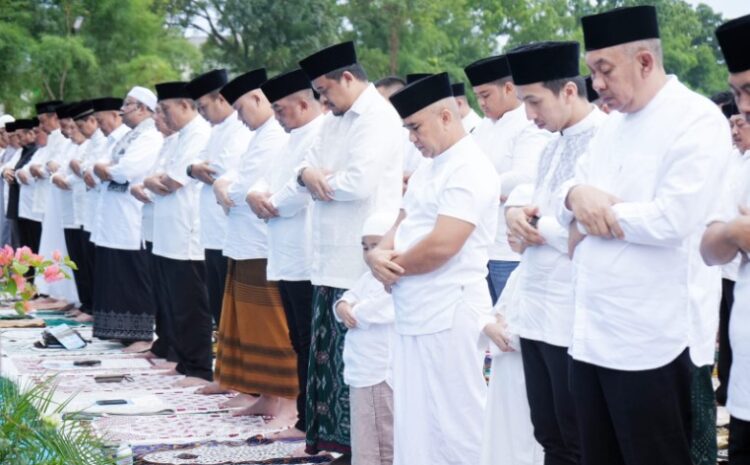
(110, 379)
(87, 363)
(111, 402)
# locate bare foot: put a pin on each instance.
(190, 381)
(165, 365)
(239, 401)
(73, 313)
(291, 433)
(84, 318)
(212, 389)
(137, 347)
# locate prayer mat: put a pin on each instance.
(327, 411)
(223, 454)
(254, 354)
(140, 451)
(85, 382)
(110, 364)
(179, 428)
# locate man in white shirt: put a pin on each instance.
(229, 139)
(30, 221)
(730, 237)
(7, 151)
(20, 193)
(351, 171)
(513, 144)
(643, 188)
(178, 255)
(161, 347)
(469, 117)
(277, 200)
(124, 307)
(254, 355)
(433, 262)
(547, 80)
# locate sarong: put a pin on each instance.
(254, 355)
(328, 421)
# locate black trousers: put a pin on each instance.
(633, 417)
(30, 233)
(216, 277)
(75, 241)
(161, 346)
(552, 412)
(296, 297)
(739, 442)
(180, 292)
(725, 349)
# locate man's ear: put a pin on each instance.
(647, 61)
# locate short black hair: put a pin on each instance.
(556, 85)
(722, 98)
(355, 69)
(390, 81)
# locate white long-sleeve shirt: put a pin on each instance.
(246, 234)
(147, 211)
(99, 153)
(176, 215)
(367, 347)
(545, 283)
(119, 213)
(664, 163)
(289, 235)
(513, 144)
(364, 150)
(229, 140)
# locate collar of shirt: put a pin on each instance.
(311, 125)
(269, 122)
(512, 117)
(671, 86)
(589, 121)
(117, 134)
(192, 125)
(228, 121)
(452, 152)
(365, 100)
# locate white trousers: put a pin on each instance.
(508, 432)
(439, 395)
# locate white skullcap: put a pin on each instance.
(144, 96)
(378, 224)
(5, 119)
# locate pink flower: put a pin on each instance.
(6, 255)
(23, 255)
(53, 273)
(20, 282)
(26, 305)
(56, 256)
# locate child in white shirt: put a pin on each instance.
(367, 311)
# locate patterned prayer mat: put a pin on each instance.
(179, 428)
(78, 382)
(147, 455)
(109, 363)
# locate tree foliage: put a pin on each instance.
(403, 36)
(48, 54)
(74, 49)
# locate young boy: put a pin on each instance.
(367, 311)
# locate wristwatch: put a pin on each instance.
(189, 171)
(299, 177)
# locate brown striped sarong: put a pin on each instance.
(254, 355)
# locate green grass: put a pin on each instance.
(29, 435)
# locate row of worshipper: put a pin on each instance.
(360, 247)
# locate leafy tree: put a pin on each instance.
(246, 34)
